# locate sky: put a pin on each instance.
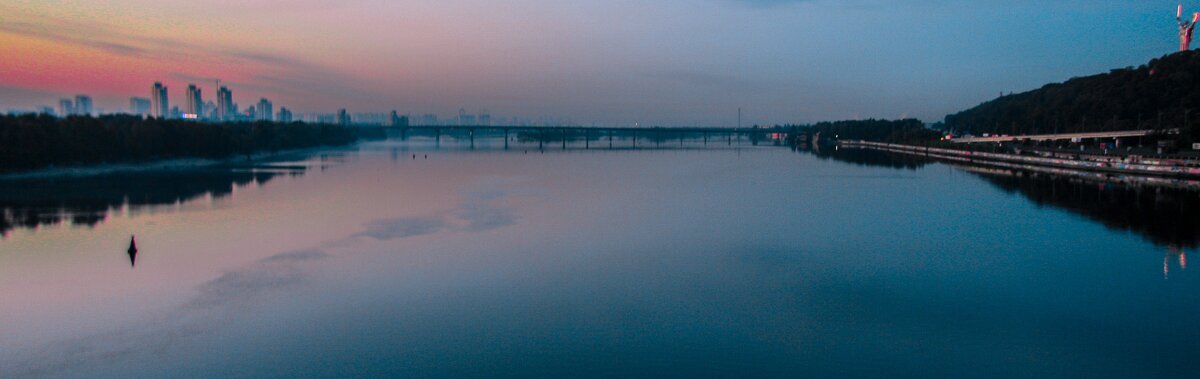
(603, 62)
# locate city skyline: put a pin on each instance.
(668, 63)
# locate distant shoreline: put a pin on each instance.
(47, 146)
(1117, 165)
(101, 169)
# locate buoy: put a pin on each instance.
(132, 251)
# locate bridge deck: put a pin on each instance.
(594, 129)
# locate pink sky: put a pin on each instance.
(609, 61)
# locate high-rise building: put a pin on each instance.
(159, 106)
(398, 120)
(83, 105)
(225, 107)
(66, 107)
(194, 107)
(285, 115)
(139, 106)
(429, 119)
(343, 118)
(265, 110)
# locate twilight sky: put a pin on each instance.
(668, 62)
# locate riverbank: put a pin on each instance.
(1132, 165)
(265, 161)
(39, 142)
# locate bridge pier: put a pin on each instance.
(564, 134)
(705, 138)
(471, 132)
(587, 139)
(437, 139)
(505, 138)
(610, 139)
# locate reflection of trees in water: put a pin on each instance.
(1163, 215)
(29, 203)
(872, 158)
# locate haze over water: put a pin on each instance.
(717, 260)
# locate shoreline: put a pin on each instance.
(1146, 167)
(102, 169)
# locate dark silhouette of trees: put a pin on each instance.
(38, 141)
(1162, 94)
(895, 131)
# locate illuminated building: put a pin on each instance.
(195, 103)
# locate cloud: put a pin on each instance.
(63, 35)
(268, 72)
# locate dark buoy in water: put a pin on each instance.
(132, 251)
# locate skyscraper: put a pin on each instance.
(160, 107)
(265, 110)
(66, 107)
(195, 103)
(139, 106)
(225, 109)
(83, 105)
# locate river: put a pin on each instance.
(419, 258)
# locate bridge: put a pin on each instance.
(544, 134)
(1066, 136)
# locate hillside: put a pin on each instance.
(1164, 93)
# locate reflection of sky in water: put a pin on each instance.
(677, 262)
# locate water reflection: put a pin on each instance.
(88, 201)
(1160, 210)
(867, 157)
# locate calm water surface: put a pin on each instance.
(720, 261)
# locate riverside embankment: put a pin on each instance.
(1115, 164)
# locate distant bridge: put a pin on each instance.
(585, 129)
(554, 134)
(1065, 136)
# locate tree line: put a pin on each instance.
(1162, 94)
(908, 130)
(30, 142)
